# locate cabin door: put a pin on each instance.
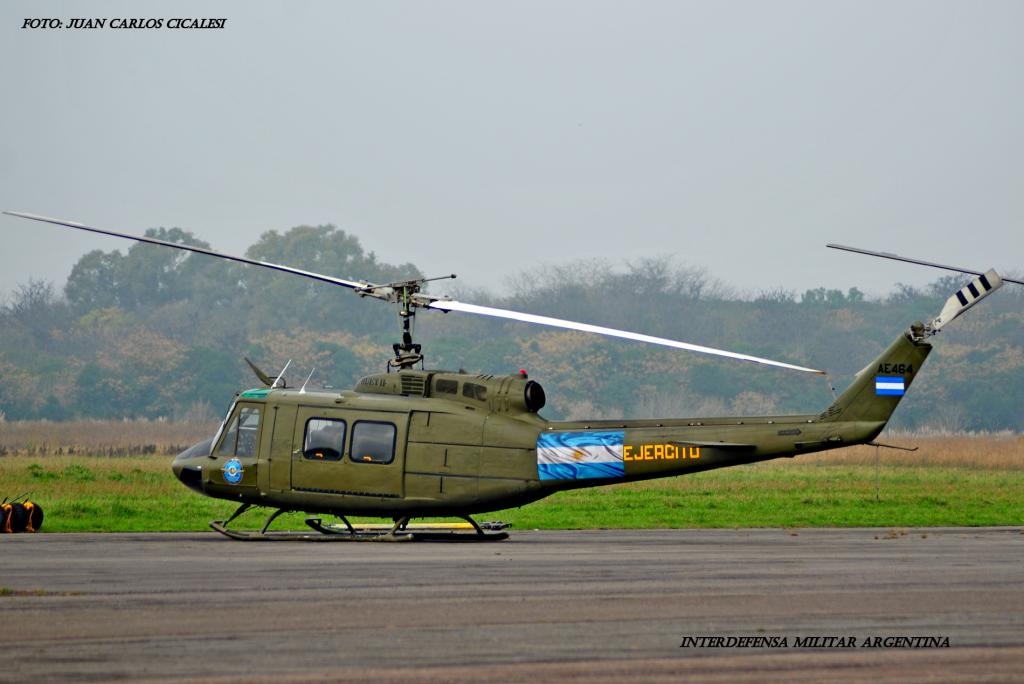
(359, 453)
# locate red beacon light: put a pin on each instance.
(522, 373)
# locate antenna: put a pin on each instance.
(302, 390)
(281, 375)
(831, 386)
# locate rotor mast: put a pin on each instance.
(407, 294)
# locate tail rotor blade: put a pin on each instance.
(919, 262)
(966, 297)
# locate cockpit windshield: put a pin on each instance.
(241, 432)
(223, 424)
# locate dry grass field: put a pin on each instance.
(998, 451)
(100, 437)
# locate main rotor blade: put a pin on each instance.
(896, 257)
(388, 293)
(449, 305)
(198, 250)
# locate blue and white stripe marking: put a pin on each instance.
(889, 386)
(580, 455)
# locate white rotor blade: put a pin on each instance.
(198, 250)
(447, 305)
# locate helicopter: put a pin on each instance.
(414, 443)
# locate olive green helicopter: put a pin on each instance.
(417, 443)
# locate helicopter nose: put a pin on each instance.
(190, 476)
(188, 468)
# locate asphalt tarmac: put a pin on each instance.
(592, 606)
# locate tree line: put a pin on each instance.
(152, 333)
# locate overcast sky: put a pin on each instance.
(484, 138)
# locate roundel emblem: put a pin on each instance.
(233, 471)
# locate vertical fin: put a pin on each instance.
(879, 387)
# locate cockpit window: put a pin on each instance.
(474, 391)
(240, 435)
(447, 386)
(325, 439)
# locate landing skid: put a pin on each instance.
(400, 531)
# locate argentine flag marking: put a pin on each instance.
(886, 385)
(580, 455)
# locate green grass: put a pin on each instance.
(85, 494)
(794, 495)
